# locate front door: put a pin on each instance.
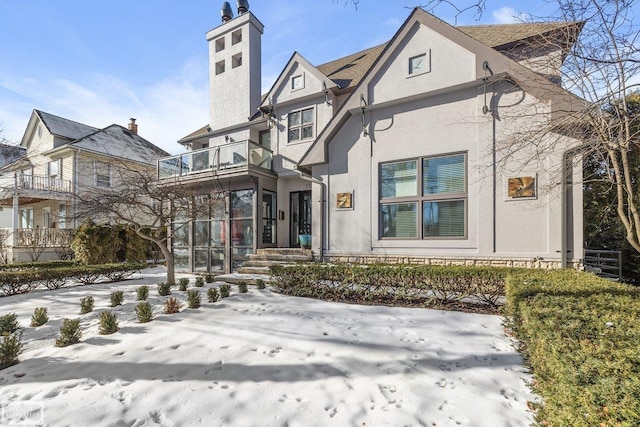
(300, 222)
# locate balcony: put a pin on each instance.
(228, 158)
(34, 184)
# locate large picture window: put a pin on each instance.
(431, 188)
(301, 125)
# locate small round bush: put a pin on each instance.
(164, 289)
(213, 295)
(183, 282)
(8, 324)
(242, 287)
(224, 290)
(86, 305)
(209, 278)
(144, 312)
(69, 333)
(172, 305)
(108, 323)
(116, 298)
(10, 349)
(193, 298)
(199, 282)
(260, 284)
(142, 293)
(39, 317)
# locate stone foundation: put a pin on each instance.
(493, 262)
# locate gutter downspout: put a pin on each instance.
(323, 210)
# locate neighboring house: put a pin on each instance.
(62, 158)
(390, 154)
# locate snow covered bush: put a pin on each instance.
(199, 281)
(172, 305)
(142, 293)
(144, 312)
(10, 348)
(242, 287)
(260, 284)
(183, 282)
(8, 324)
(86, 305)
(108, 323)
(164, 289)
(193, 298)
(39, 317)
(69, 333)
(116, 298)
(209, 278)
(213, 295)
(224, 290)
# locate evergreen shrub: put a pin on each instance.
(213, 294)
(193, 298)
(69, 333)
(9, 324)
(39, 317)
(144, 312)
(10, 349)
(172, 305)
(116, 298)
(242, 287)
(108, 323)
(224, 290)
(164, 289)
(142, 293)
(86, 305)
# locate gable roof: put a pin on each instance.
(62, 127)
(118, 141)
(502, 67)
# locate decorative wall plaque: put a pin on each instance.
(344, 201)
(524, 186)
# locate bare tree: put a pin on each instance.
(601, 69)
(34, 242)
(5, 234)
(136, 199)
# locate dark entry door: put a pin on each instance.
(300, 222)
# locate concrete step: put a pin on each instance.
(280, 258)
(253, 270)
(263, 263)
(286, 251)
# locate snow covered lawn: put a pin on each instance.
(261, 359)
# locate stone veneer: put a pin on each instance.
(494, 262)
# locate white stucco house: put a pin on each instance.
(392, 154)
(59, 160)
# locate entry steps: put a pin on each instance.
(260, 262)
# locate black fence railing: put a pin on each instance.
(604, 263)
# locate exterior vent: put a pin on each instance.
(226, 12)
(243, 6)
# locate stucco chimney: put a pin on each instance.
(133, 127)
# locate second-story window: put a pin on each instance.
(102, 174)
(54, 169)
(301, 125)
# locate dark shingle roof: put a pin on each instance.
(65, 128)
(118, 141)
(348, 71)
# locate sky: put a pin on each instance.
(102, 62)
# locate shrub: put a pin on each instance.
(579, 334)
(172, 305)
(242, 287)
(224, 290)
(86, 305)
(142, 293)
(10, 349)
(39, 317)
(193, 298)
(209, 278)
(108, 323)
(213, 295)
(260, 284)
(116, 298)
(69, 333)
(183, 282)
(164, 289)
(199, 281)
(8, 324)
(144, 312)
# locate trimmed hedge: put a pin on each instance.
(28, 279)
(580, 334)
(432, 285)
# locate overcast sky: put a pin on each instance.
(101, 62)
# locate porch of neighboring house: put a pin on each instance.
(39, 209)
(250, 209)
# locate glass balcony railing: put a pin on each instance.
(223, 157)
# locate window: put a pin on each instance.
(219, 67)
(265, 139)
(54, 169)
(220, 44)
(269, 220)
(431, 188)
(297, 82)
(301, 125)
(62, 215)
(102, 174)
(236, 36)
(46, 218)
(26, 217)
(236, 60)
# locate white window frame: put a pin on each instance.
(58, 172)
(100, 182)
(301, 126)
(420, 198)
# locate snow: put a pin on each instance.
(261, 359)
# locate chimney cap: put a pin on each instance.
(243, 6)
(226, 12)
